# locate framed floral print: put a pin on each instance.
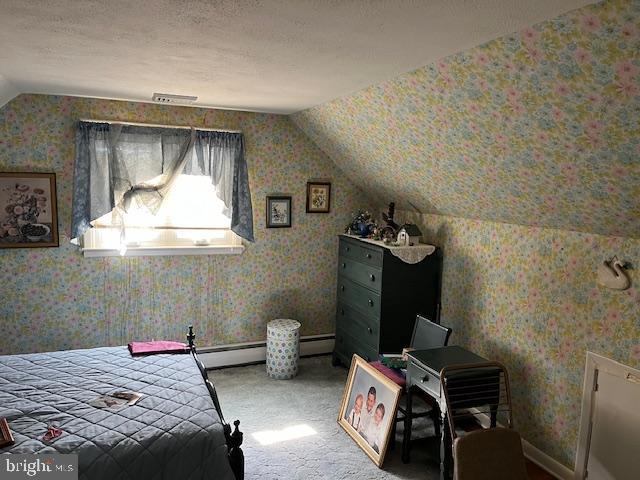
(278, 211)
(28, 214)
(318, 197)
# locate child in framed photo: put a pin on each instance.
(368, 408)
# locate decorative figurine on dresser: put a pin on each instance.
(381, 289)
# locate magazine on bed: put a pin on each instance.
(116, 400)
(6, 437)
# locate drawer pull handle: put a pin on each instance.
(344, 265)
(370, 303)
(368, 255)
(342, 288)
(425, 379)
(369, 330)
(348, 249)
(342, 311)
(372, 277)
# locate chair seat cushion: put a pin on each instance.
(491, 454)
(393, 375)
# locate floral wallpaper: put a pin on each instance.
(540, 127)
(536, 129)
(54, 298)
(527, 297)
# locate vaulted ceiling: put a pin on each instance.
(540, 127)
(260, 55)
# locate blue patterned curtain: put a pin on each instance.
(220, 155)
(115, 163)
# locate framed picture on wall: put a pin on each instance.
(278, 211)
(28, 213)
(368, 408)
(318, 197)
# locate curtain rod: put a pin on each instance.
(115, 122)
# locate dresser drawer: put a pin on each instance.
(359, 326)
(423, 379)
(366, 275)
(361, 252)
(358, 297)
(347, 345)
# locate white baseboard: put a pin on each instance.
(546, 462)
(255, 352)
(534, 454)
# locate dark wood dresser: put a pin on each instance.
(379, 297)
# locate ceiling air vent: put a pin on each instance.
(175, 99)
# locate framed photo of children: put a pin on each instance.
(28, 214)
(318, 197)
(368, 408)
(278, 211)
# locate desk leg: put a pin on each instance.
(446, 453)
(493, 415)
(435, 417)
(406, 438)
(392, 440)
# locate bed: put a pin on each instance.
(176, 430)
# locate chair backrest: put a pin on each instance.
(494, 454)
(475, 392)
(427, 334)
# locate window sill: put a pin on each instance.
(165, 251)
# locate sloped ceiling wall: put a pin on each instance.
(541, 127)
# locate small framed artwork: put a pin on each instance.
(368, 408)
(6, 438)
(318, 197)
(28, 214)
(278, 211)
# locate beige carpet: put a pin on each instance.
(308, 405)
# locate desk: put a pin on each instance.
(423, 373)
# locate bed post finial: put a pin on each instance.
(191, 337)
(236, 455)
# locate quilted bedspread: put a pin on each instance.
(173, 432)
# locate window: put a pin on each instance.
(173, 193)
(191, 215)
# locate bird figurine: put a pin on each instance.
(388, 217)
(389, 231)
(612, 275)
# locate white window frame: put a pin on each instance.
(90, 248)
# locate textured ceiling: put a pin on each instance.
(541, 128)
(269, 55)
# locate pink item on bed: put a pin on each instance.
(158, 346)
(390, 373)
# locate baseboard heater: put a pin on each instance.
(238, 354)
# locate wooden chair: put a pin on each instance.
(479, 394)
(426, 334)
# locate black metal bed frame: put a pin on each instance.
(234, 440)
